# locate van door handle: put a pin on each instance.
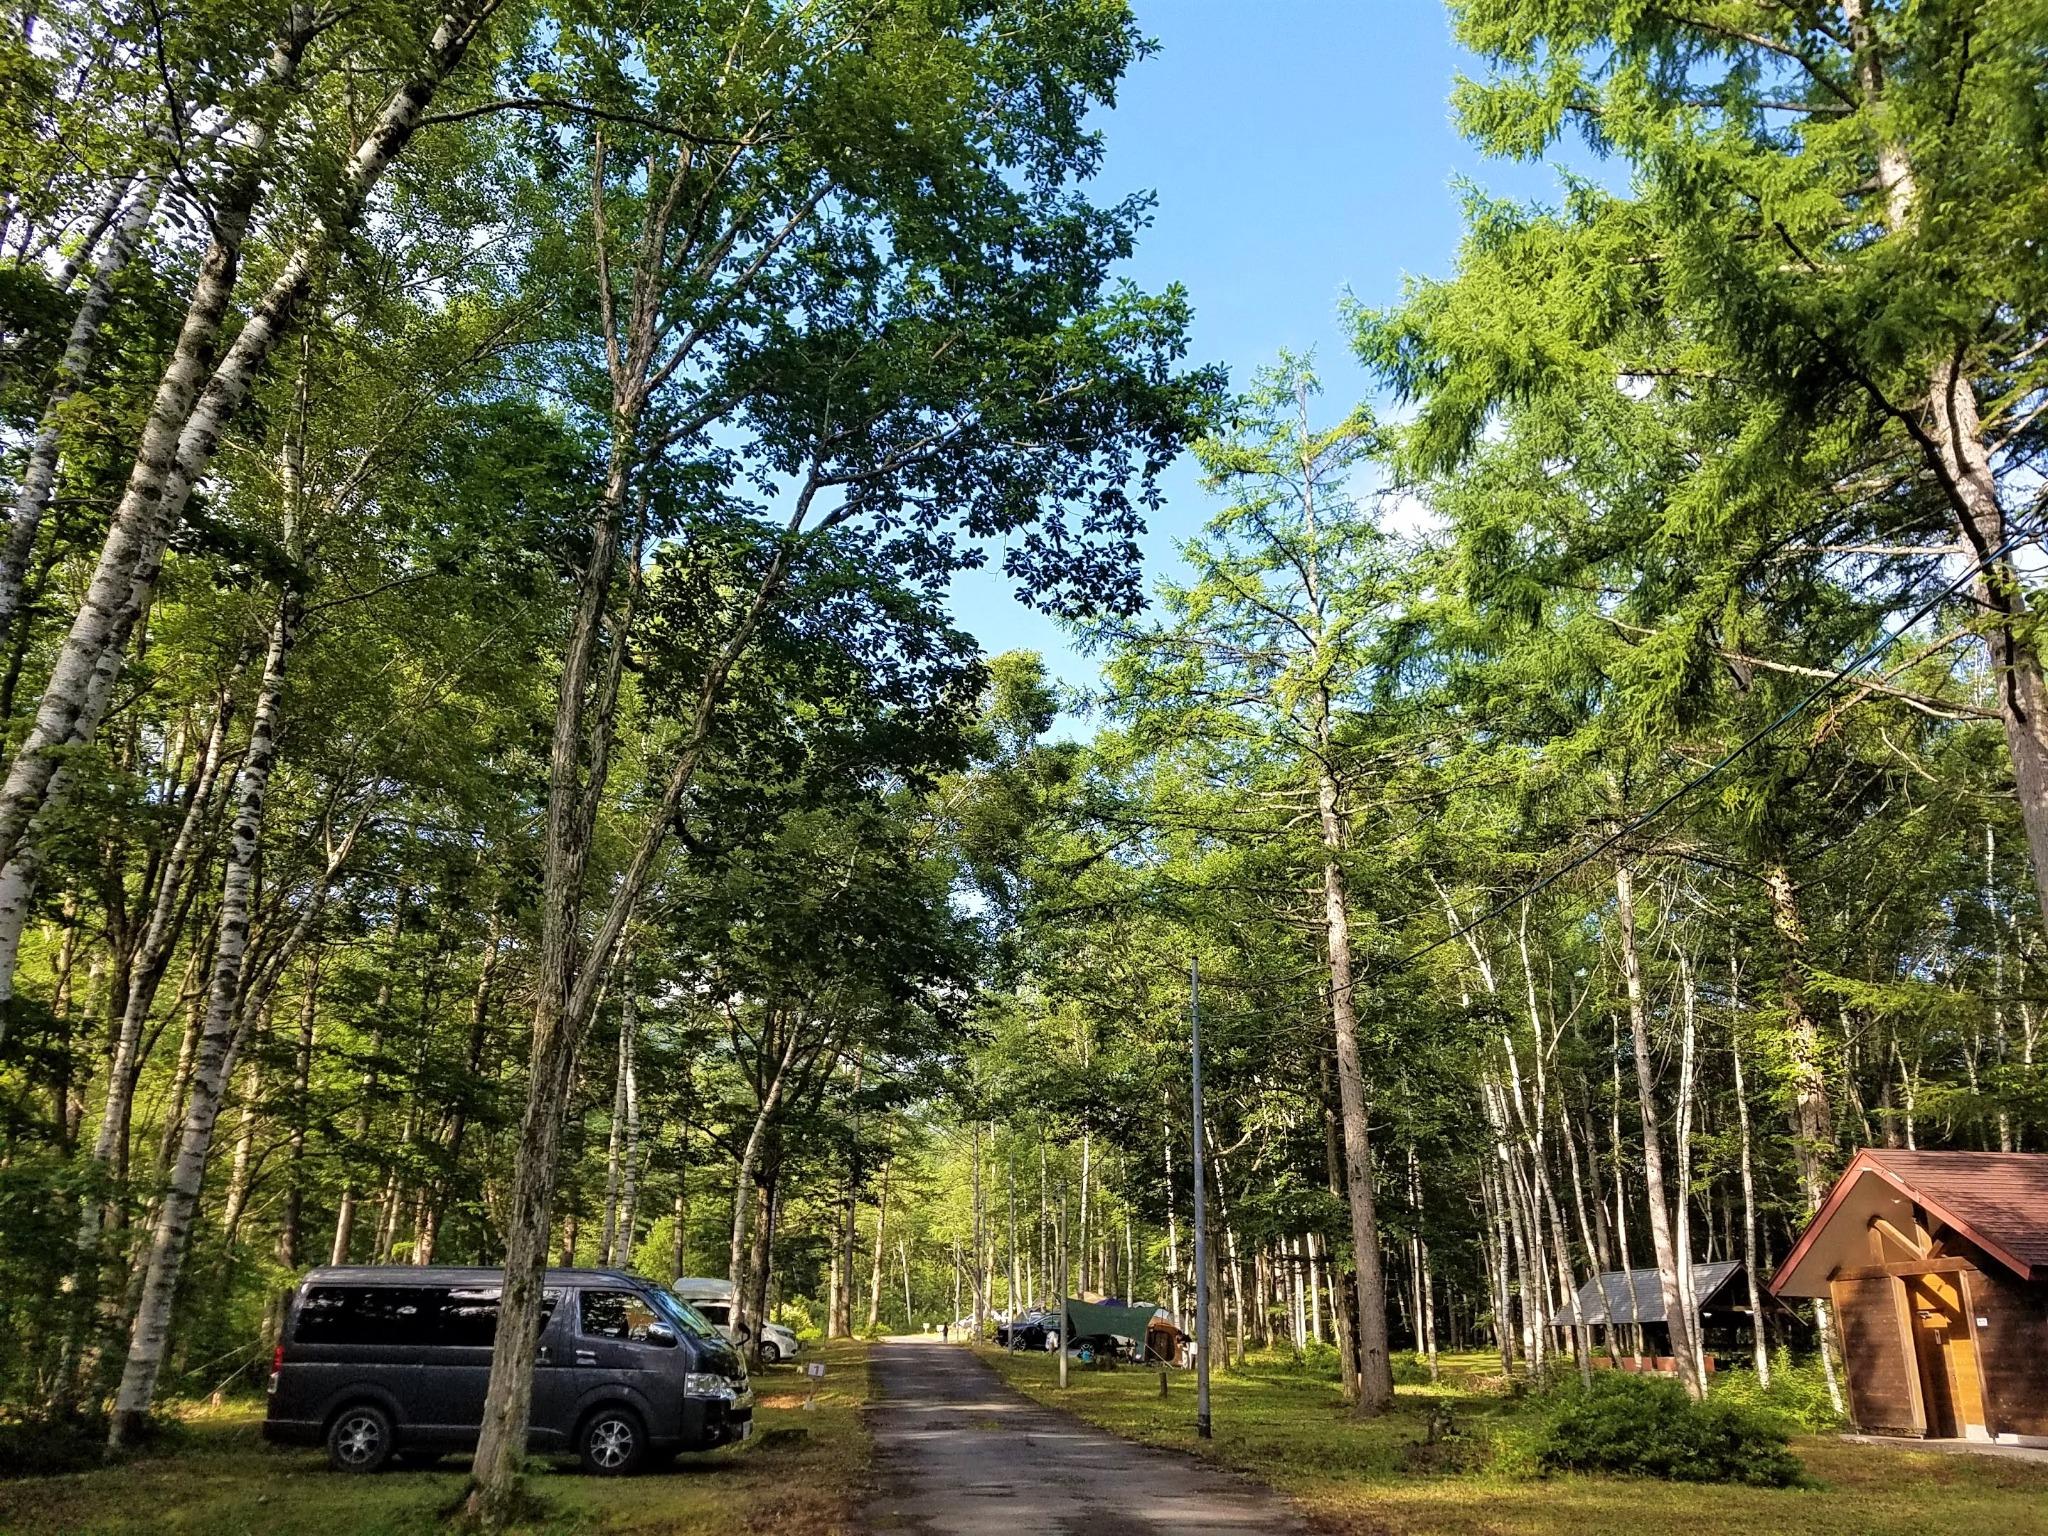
(586, 1357)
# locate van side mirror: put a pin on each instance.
(660, 1333)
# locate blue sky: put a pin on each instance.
(1299, 150)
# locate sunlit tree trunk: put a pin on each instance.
(1661, 1238)
(150, 1336)
(875, 1263)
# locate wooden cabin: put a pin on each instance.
(1936, 1265)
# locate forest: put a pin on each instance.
(496, 770)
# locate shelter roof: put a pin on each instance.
(1629, 1296)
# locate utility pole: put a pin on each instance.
(1064, 1331)
(1202, 1423)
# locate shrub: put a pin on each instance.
(1321, 1359)
(1646, 1426)
(1410, 1368)
(1798, 1395)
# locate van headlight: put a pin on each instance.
(705, 1384)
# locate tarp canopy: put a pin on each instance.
(1085, 1319)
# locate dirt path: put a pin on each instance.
(959, 1453)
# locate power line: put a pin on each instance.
(1797, 708)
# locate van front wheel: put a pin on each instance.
(359, 1439)
(613, 1443)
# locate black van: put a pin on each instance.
(393, 1360)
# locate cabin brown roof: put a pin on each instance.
(1996, 1200)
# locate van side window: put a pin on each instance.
(368, 1314)
(469, 1316)
(616, 1315)
(460, 1316)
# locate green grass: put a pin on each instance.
(1289, 1428)
(804, 1471)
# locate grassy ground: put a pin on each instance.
(803, 1471)
(1289, 1429)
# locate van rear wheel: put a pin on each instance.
(613, 1442)
(359, 1439)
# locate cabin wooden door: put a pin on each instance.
(1946, 1352)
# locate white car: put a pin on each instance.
(713, 1298)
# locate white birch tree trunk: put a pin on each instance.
(875, 1266)
(150, 1334)
(1749, 1264)
(39, 473)
(629, 1195)
(1661, 1237)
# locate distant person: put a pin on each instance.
(945, 1333)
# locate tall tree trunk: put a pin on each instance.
(875, 1266)
(1635, 1303)
(1683, 1353)
(1497, 1269)
(1172, 1297)
(629, 1195)
(150, 1336)
(1952, 444)
(241, 1168)
(1813, 1132)
(839, 1322)
(903, 1255)
(1081, 1275)
(458, 1118)
(614, 1151)
(980, 1237)
(1749, 1264)
(288, 1232)
(760, 1261)
(743, 1181)
(1016, 1276)
(1812, 1125)
(110, 1145)
(1376, 1376)
(39, 475)
(1688, 1059)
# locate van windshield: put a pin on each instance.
(681, 1313)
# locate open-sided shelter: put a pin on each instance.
(1623, 1301)
(1936, 1264)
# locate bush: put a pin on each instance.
(1646, 1426)
(1321, 1359)
(1797, 1395)
(1410, 1369)
(45, 1447)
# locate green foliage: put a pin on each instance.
(1798, 1394)
(1646, 1426)
(1410, 1368)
